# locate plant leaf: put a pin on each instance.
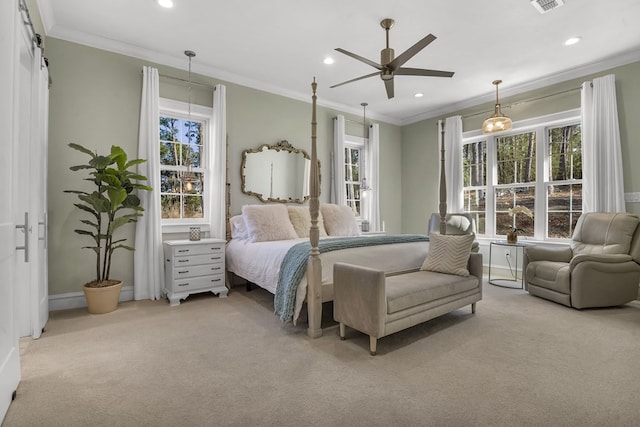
(81, 148)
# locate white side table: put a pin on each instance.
(514, 283)
(194, 266)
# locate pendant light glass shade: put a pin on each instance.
(498, 122)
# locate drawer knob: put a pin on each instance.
(183, 271)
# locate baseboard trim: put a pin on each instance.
(77, 300)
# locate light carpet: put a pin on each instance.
(519, 361)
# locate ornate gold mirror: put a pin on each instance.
(276, 173)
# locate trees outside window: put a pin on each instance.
(183, 169)
(352, 175)
(537, 165)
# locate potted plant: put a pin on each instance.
(110, 205)
(512, 233)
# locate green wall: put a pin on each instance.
(95, 101)
(420, 149)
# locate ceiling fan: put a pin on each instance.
(390, 66)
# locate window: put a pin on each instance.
(184, 140)
(353, 165)
(537, 165)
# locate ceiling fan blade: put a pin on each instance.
(360, 58)
(356, 79)
(409, 53)
(388, 84)
(422, 72)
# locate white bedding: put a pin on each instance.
(260, 262)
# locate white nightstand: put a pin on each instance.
(193, 266)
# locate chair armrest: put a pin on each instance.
(359, 298)
(603, 258)
(549, 253)
(475, 265)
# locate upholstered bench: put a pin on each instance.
(367, 300)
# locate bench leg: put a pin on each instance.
(473, 308)
(342, 330)
(373, 342)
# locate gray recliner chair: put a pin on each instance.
(457, 223)
(600, 268)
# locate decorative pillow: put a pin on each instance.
(339, 220)
(448, 253)
(238, 227)
(268, 222)
(301, 219)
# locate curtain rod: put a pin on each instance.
(351, 121)
(186, 81)
(524, 101)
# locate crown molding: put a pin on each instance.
(574, 73)
(169, 60)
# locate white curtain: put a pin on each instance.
(602, 185)
(148, 278)
(217, 157)
(452, 162)
(338, 195)
(373, 174)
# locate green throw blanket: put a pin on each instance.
(294, 264)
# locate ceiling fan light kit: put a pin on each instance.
(390, 65)
(498, 122)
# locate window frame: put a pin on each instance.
(180, 110)
(355, 142)
(540, 126)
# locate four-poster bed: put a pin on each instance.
(267, 263)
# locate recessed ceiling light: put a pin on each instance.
(328, 60)
(166, 3)
(418, 95)
(572, 40)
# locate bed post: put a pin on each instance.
(443, 184)
(314, 268)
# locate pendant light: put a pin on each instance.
(498, 122)
(363, 185)
(188, 175)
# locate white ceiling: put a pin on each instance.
(279, 45)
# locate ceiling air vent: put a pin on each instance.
(544, 6)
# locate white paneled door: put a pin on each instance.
(29, 172)
(9, 351)
(24, 100)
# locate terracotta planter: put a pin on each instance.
(512, 237)
(103, 299)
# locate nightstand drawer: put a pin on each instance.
(194, 283)
(198, 270)
(199, 249)
(181, 261)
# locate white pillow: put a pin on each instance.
(268, 222)
(448, 253)
(301, 219)
(238, 227)
(339, 220)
